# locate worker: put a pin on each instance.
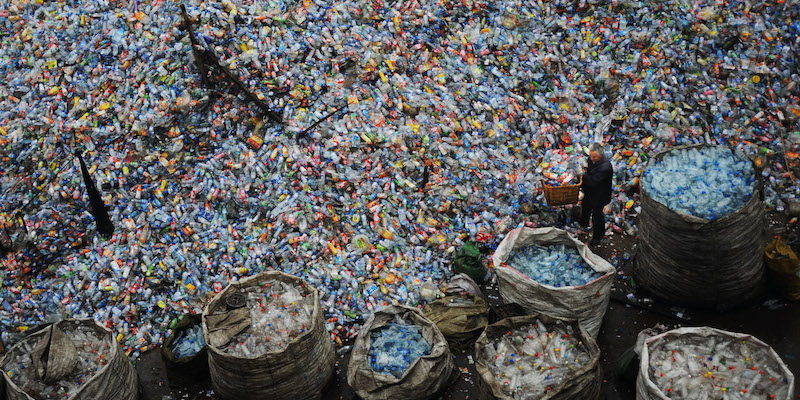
(596, 192)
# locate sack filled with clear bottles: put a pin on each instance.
(546, 270)
(266, 339)
(710, 364)
(537, 357)
(72, 359)
(400, 354)
(700, 228)
(278, 311)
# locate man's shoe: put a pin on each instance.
(595, 242)
(577, 226)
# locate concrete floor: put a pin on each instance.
(774, 321)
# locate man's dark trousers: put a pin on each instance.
(595, 211)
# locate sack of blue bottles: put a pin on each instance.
(400, 354)
(184, 351)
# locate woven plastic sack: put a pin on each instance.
(185, 369)
(686, 260)
(299, 371)
(647, 390)
(55, 356)
(460, 318)
(581, 384)
(462, 285)
(784, 269)
(586, 303)
(116, 380)
(424, 379)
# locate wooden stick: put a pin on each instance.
(304, 132)
(187, 24)
(206, 53)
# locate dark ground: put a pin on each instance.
(771, 319)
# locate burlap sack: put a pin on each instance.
(186, 369)
(55, 356)
(784, 269)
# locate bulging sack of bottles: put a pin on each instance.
(537, 357)
(712, 260)
(460, 318)
(266, 339)
(784, 269)
(375, 375)
(586, 302)
(704, 361)
(75, 359)
(188, 365)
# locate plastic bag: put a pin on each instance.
(461, 284)
(468, 261)
(586, 303)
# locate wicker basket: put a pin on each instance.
(562, 195)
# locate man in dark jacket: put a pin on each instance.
(596, 192)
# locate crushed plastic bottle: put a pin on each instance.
(712, 365)
(553, 265)
(529, 361)
(708, 183)
(188, 342)
(395, 347)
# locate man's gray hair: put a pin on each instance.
(598, 148)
